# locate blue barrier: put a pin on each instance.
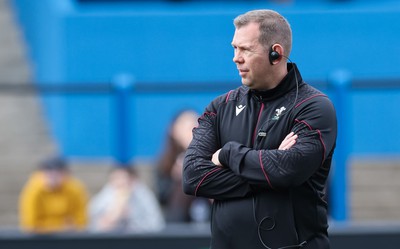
(123, 84)
(340, 81)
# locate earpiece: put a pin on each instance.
(273, 55)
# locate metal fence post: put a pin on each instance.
(340, 81)
(123, 85)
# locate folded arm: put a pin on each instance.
(298, 157)
(201, 177)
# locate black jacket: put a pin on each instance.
(265, 197)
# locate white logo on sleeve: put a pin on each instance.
(239, 109)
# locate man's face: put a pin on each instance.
(251, 58)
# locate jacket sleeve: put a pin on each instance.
(201, 177)
(315, 125)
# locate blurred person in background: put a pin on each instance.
(179, 207)
(125, 204)
(53, 200)
(263, 150)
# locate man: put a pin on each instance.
(263, 150)
(53, 200)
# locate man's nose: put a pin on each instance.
(237, 58)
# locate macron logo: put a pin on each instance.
(239, 109)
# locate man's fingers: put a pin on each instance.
(215, 159)
(289, 135)
(288, 142)
(288, 145)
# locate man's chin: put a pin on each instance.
(246, 83)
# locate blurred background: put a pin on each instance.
(100, 81)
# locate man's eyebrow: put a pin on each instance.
(241, 46)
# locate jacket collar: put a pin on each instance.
(292, 78)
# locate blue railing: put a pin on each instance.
(124, 89)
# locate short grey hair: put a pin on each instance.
(274, 28)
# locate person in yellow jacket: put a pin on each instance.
(53, 200)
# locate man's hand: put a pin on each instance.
(215, 159)
(288, 142)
